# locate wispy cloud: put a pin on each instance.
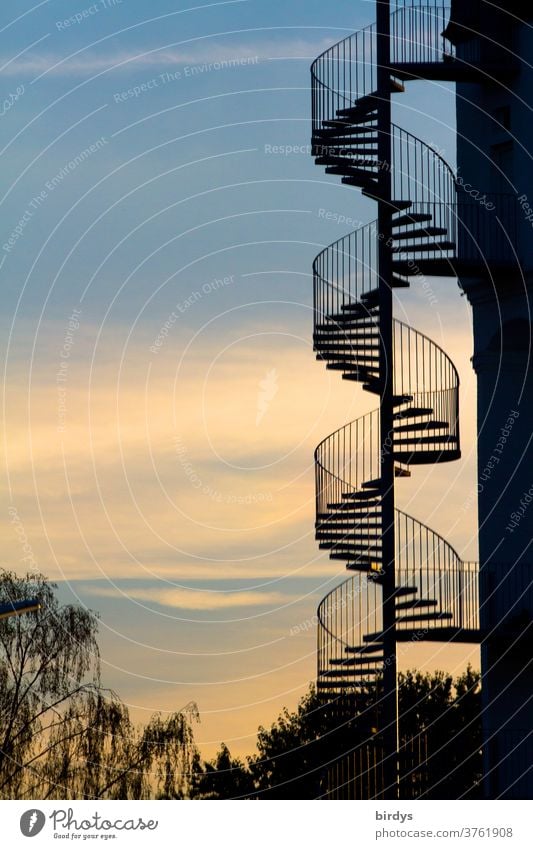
(86, 62)
(190, 599)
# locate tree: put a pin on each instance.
(223, 778)
(445, 715)
(61, 734)
(440, 745)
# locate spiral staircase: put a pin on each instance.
(432, 229)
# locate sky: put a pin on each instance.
(161, 400)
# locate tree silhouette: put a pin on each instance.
(61, 734)
(440, 746)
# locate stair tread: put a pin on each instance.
(337, 673)
(344, 129)
(368, 101)
(335, 123)
(431, 267)
(417, 617)
(411, 605)
(396, 205)
(420, 233)
(350, 507)
(422, 426)
(411, 218)
(427, 440)
(430, 246)
(414, 412)
(353, 562)
(340, 526)
(398, 400)
(349, 150)
(347, 159)
(426, 457)
(362, 496)
(367, 649)
(359, 182)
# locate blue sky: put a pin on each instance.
(176, 199)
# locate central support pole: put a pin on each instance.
(390, 695)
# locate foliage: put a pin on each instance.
(439, 716)
(61, 734)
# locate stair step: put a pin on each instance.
(411, 218)
(364, 108)
(359, 182)
(341, 526)
(342, 130)
(367, 321)
(338, 538)
(350, 667)
(398, 400)
(422, 617)
(362, 359)
(340, 685)
(437, 439)
(376, 483)
(351, 508)
(373, 638)
(351, 337)
(339, 147)
(361, 564)
(343, 123)
(356, 316)
(372, 484)
(420, 233)
(343, 661)
(338, 359)
(422, 426)
(399, 283)
(338, 673)
(425, 457)
(430, 267)
(349, 328)
(357, 547)
(396, 205)
(413, 412)
(359, 375)
(374, 386)
(411, 605)
(353, 562)
(349, 160)
(342, 345)
(402, 591)
(369, 102)
(358, 311)
(366, 649)
(430, 246)
(361, 496)
(370, 298)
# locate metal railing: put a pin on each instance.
(351, 612)
(342, 74)
(345, 459)
(346, 71)
(417, 32)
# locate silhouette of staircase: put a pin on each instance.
(436, 593)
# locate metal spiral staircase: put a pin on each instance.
(408, 583)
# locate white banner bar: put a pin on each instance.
(267, 825)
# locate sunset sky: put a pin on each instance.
(164, 475)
